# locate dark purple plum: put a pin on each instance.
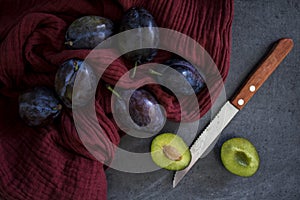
(171, 76)
(39, 106)
(145, 113)
(86, 83)
(147, 36)
(88, 31)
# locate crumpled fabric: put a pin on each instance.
(51, 162)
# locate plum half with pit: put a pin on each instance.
(169, 151)
(145, 114)
(39, 106)
(86, 82)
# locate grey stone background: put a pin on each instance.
(271, 120)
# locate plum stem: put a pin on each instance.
(76, 67)
(113, 91)
(58, 107)
(134, 69)
(70, 43)
(151, 71)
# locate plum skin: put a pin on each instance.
(88, 31)
(65, 79)
(145, 113)
(39, 106)
(188, 72)
(139, 18)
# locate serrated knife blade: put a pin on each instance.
(227, 112)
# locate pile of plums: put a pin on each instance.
(41, 105)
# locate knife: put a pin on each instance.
(227, 112)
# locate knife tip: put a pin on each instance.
(174, 184)
(176, 179)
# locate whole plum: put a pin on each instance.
(148, 35)
(88, 31)
(39, 106)
(178, 69)
(86, 81)
(145, 113)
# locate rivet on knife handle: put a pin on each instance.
(262, 72)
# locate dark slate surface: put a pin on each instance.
(271, 120)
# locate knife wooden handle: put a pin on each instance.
(262, 72)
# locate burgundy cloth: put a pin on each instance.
(51, 162)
